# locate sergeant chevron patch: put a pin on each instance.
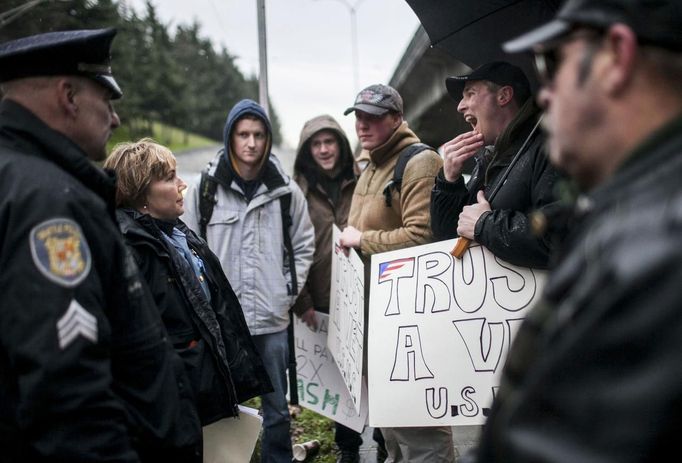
(76, 321)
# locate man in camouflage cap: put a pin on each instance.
(377, 100)
(386, 219)
(86, 370)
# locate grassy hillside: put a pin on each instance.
(172, 137)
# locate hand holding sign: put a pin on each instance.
(467, 224)
(350, 237)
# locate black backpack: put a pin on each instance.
(396, 182)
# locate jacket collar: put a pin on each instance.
(643, 165)
(135, 224)
(141, 228)
(271, 177)
(515, 134)
(401, 138)
(30, 135)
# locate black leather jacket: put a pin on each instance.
(506, 231)
(212, 337)
(116, 389)
(595, 372)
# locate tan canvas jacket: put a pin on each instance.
(407, 222)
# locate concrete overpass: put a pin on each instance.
(420, 79)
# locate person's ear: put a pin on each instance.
(618, 58)
(397, 120)
(67, 90)
(505, 95)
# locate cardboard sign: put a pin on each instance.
(346, 317)
(440, 329)
(320, 385)
(232, 440)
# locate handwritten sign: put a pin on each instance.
(440, 330)
(347, 319)
(320, 385)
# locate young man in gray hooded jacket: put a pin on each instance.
(245, 230)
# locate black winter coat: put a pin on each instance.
(86, 370)
(506, 231)
(212, 338)
(595, 371)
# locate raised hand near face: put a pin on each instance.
(457, 151)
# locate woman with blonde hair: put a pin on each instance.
(201, 313)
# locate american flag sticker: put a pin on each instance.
(396, 269)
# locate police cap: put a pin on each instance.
(78, 52)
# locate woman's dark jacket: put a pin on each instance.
(506, 230)
(212, 338)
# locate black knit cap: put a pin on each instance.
(79, 52)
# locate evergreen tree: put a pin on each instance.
(179, 80)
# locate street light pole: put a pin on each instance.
(354, 44)
(352, 9)
(263, 58)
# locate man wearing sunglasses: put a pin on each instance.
(512, 177)
(595, 372)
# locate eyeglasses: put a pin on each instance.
(546, 64)
(548, 59)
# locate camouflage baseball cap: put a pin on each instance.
(377, 99)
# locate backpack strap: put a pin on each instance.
(207, 189)
(285, 205)
(403, 158)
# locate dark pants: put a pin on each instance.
(347, 439)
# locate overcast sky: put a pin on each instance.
(310, 65)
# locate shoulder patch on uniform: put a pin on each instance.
(60, 251)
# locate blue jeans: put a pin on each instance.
(276, 439)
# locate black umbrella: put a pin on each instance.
(472, 31)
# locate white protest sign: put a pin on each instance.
(346, 316)
(232, 440)
(320, 385)
(440, 331)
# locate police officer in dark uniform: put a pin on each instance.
(86, 370)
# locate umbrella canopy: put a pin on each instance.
(472, 31)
